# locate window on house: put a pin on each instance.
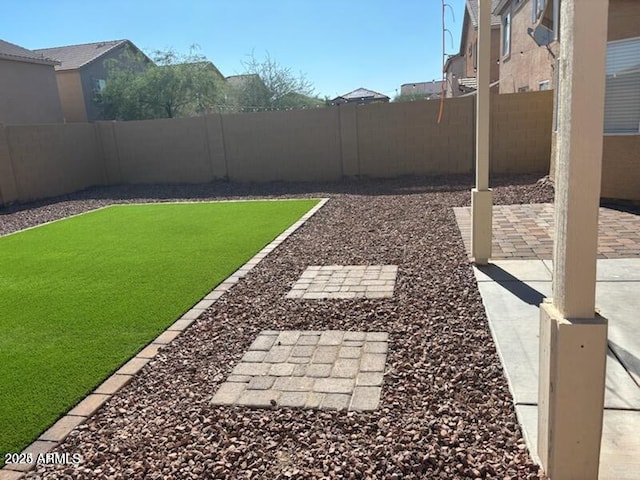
(506, 34)
(537, 9)
(475, 55)
(523, 89)
(556, 94)
(544, 85)
(98, 85)
(556, 20)
(622, 87)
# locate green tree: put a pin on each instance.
(278, 87)
(174, 85)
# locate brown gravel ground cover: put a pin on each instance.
(446, 411)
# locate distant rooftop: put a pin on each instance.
(72, 57)
(363, 93)
(422, 88)
(10, 51)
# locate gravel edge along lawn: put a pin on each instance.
(445, 411)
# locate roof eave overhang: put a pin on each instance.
(40, 61)
(500, 7)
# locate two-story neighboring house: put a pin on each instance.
(528, 44)
(82, 74)
(460, 69)
(530, 41)
(28, 90)
(421, 90)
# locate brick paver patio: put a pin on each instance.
(526, 232)
(330, 369)
(345, 281)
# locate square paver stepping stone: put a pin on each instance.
(345, 281)
(332, 369)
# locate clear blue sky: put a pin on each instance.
(339, 44)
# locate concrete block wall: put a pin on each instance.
(521, 127)
(291, 145)
(163, 151)
(378, 140)
(39, 161)
(405, 138)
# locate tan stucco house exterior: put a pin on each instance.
(530, 43)
(461, 69)
(28, 91)
(81, 74)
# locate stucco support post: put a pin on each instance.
(573, 337)
(481, 196)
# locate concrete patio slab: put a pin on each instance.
(510, 270)
(308, 369)
(512, 303)
(618, 296)
(620, 301)
(514, 321)
(614, 269)
(619, 459)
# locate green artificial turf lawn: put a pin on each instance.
(80, 296)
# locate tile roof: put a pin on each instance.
(14, 52)
(76, 56)
(423, 88)
(472, 8)
(362, 93)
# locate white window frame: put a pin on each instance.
(506, 35)
(544, 85)
(556, 19)
(537, 8)
(624, 96)
(98, 85)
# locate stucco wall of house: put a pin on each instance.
(620, 161)
(71, 96)
(624, 19)
(470, 52)
(454, 71)
(28, 93)
(621, 167)
(526, 65)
